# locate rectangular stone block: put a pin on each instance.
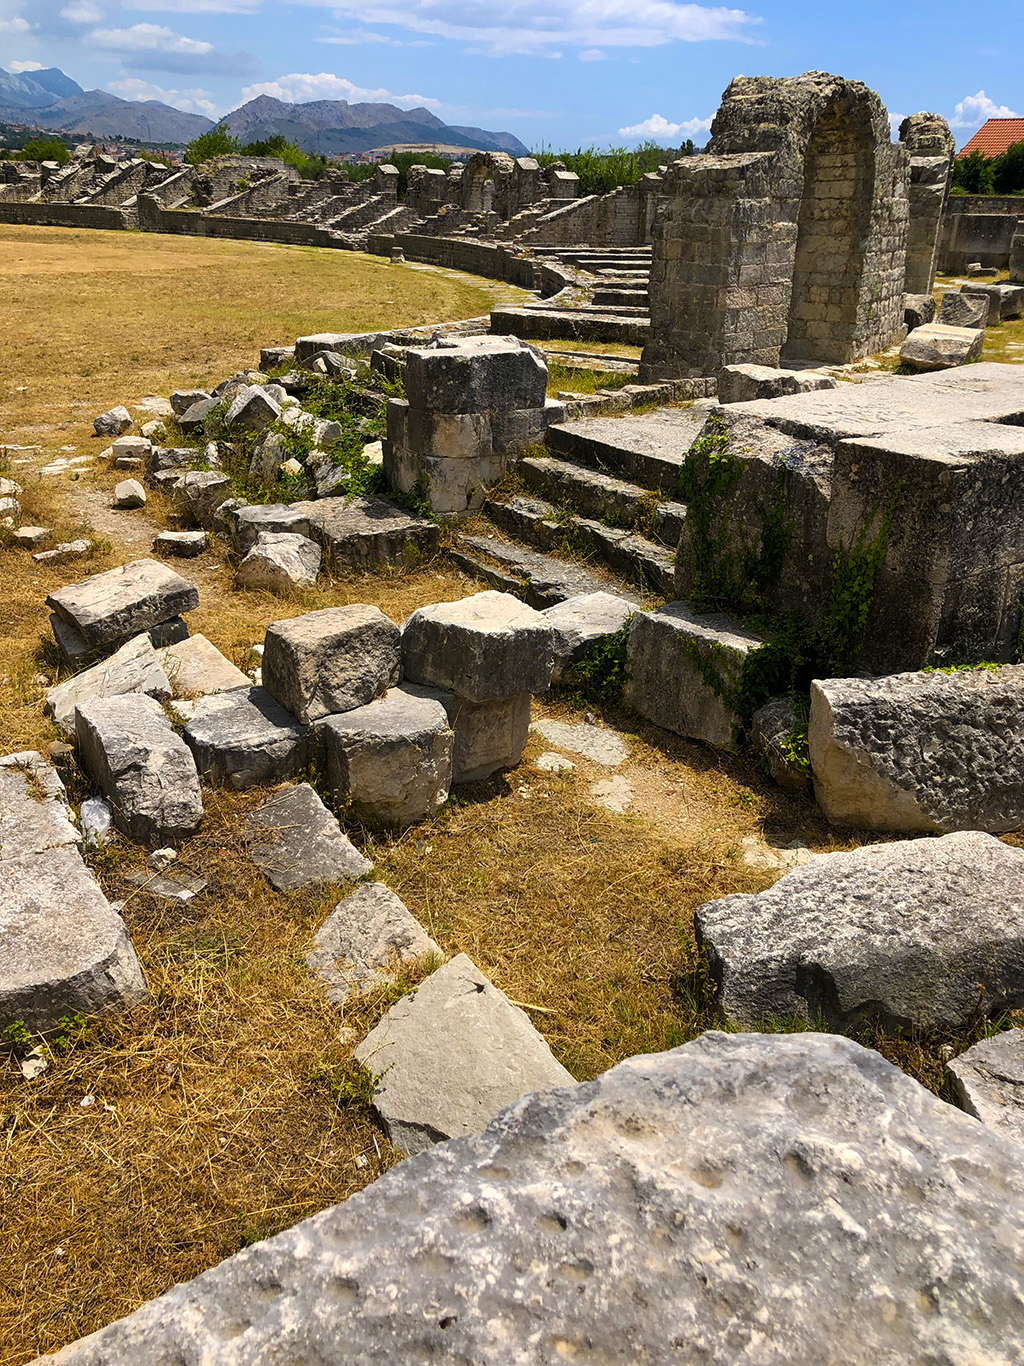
(479, 374)
(330, 661)
(243, 737)
(107, 607)
(485, 647)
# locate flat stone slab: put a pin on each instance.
(123, 601)
(929, 752)
(243, 737)
(34, 812)
(364, 533)
(597, 743)
(989, 1082)
(141, 766)
(750, 1197)
(331, 661)
(194, 668)
(924, 934)
(366, 940)
(485, 647)
(249, 520)
(450, 1056)
(579, 623)
(185, 544)
(294, 841)
(134, 668)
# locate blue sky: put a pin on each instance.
(555, 72)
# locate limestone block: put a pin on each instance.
(937, 346)
(195, 417)
(391, 759)
(830, 1165)
(365, 940)
(923, 934)
(186, 545)
(665, 683)
(742, 383)
(489, 736)
(460, 485)
(280, 562)
(331, 661)
(964, 310)
(249, 520)
(164, 458)
(269, 453)
(914, 752)
(114, 422)
(184, 399)
(581, 622)
(918, 310)
(195, 668)
(134, 668)
(295, 841)
(772, 729)
(129, 493)
(989, 1082)
(600, 744)
(142, 767)
(34, 811)
(478, 374)
(252, 410)
(200, 491)
(31, 537)
(1005, 300)
(137, 446)
(485, 647)
(243, 737)
(123, 601)
(364, 533)
(452, 1055)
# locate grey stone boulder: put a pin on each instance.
(925, 934)
(197, 415)
(964, 310)
(365, 533)
(330, 661)
(450, 1056)
(34, 812)
(121, 602)
(581, 622)
(114, 422)
(280, 562)
(294, 841)
(744, 1199)
(778, 732)
(139, 447)
(484, 648)
(141, 766)
(489, 736)
(366, 940)
(251, 519)
(184, 545)
(243, 737)
(931, 752)
(742, 383)
(134, 668)
(184, 399)
(31, 537)
(937, 346)
(194, 668)
(76, 651)
(668, 652)
(989, 1082)
(199, 492)
(391, 760)
(268, 455)
(918, 310)
(129, 493)
(252, 410)
(1005, 300)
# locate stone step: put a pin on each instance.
(637, 298)
(595, 494)
(540, 580)
(647, 449)
(626, 554)
(578, 324)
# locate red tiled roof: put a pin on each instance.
(993, 138)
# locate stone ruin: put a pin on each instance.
(877, 505)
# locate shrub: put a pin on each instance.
(45, 149)
(217, 142)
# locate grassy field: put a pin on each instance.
(227, 1106)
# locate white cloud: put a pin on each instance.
(194, 6)
(593, 54)
(657, 126)
(542, 27)
(84, 13)
(19, 68)
(191, 101)
(148, 38)
(973, 110)
(299, 89)
(17, 25)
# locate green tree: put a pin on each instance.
(1008, 170)
(217, 142)
(45, 149)
(974, 174)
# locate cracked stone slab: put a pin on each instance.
(768, 1199)
(34, 812)
(989, 1082)
(365, 940)
(294, 840)
(597, 743)
(134, 668)
(195, 667)
(123, 601)
(452, 1054)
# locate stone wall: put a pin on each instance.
(192, 223)
(978, 228)
(620, 219)
(462, 253)
(64, 215)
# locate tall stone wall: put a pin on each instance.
(787, 239)
(64, 215)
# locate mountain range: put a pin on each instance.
(51, 100)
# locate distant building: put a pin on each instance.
(994, 137)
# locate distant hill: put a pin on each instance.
(52, 100)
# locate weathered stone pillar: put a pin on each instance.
(469, 406)
(931, 146)
(1017, 255)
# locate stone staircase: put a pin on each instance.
(604, 495)
(608, 301)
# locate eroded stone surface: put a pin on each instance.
(597, 743)
(134, 668)
(483, 648)
(195, 667)
(365, 940)
(280, 562)
(579, 623)
(295, 841)
(243, 737)
(746, 1198)
(123, 601)
(989, 1081)
(330, 661)
(925, 933)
